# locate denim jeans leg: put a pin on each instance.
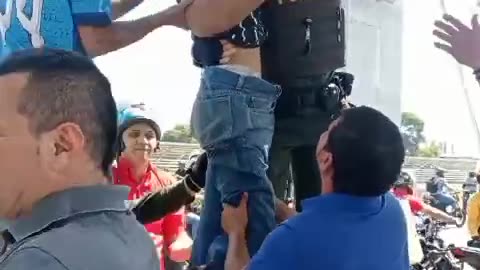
(209, 225)
(233, 121)
(232, 183)
(192, 221)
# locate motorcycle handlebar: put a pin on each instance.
(439, 250)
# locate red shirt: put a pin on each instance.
(416, 205)
(164, 231)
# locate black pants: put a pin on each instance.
(294, 144)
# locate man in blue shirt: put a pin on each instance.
(356, 224)
(85, 26)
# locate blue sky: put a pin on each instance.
(159, 71)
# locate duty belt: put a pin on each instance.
(328, 96)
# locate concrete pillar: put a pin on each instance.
(374, 53)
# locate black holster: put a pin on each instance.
(328, 97)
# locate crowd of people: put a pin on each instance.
(79, 190)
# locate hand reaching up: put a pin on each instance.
(459, 40)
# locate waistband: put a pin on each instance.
(216, 77)
(241, 70)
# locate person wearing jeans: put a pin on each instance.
(233, 120)
(192, 224)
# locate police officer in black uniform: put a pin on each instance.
(305, 45)
(302, 43)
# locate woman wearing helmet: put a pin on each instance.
(404, 189)
(138, 139)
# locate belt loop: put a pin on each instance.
(6, 239)
(240, 81)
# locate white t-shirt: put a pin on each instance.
(415, 252)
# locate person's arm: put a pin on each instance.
(237, 253)
(100, 35)
(437, 214)
(228, 13)
(122, 7)
(157, 205)
(459, 40)
(171, 199)
(282, 211)
(473, 216)
(32, 258)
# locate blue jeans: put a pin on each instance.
(193, 221)
(445, 199)
(233, 121)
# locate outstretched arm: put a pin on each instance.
(100, 34)
(459, 40)
(437, 214)
(157, 205)
(168, 200)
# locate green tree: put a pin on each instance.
(412, 128)
(180, 133)
(432, 149)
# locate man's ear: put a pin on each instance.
(57, 146)
(68, 137)
(325, 158)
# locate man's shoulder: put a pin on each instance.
(97, 242)
(305, 220)
(31, 258)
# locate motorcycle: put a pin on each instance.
(429, 231)
(436, 256)
(467, 255)
(439, 257)
(458, 211)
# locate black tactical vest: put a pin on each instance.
(306, 39)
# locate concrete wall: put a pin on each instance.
(374, 53)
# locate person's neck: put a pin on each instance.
(26, 202)
(139, 167)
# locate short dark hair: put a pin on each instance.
(367, 150)
(64, 87)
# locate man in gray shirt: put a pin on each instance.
(57, 130)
